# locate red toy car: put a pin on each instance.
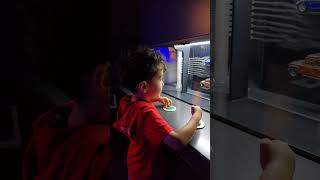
(309, 67)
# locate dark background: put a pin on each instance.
(34, 33)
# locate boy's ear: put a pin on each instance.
(101, 77)
(143, 86)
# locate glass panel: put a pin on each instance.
(288, 34)
(188, 72)
(199, 70)
(170, 76)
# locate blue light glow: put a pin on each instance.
(312, 5)
(165, 52)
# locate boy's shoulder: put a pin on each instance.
(126, 103)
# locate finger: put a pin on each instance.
(279, 142)
(166, 102)
(265, 141)
(264, 155)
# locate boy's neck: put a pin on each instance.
(139, 97)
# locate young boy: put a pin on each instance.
(140, 121)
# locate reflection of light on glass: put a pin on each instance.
(199, 43)
(179, 71)
(165, 52)
(173, 53)
(205, 145)
(192, 44)
(199, 16)
(196, 98)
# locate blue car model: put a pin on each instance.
(308, 5)
(206, 62)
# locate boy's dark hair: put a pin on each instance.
(142, 65)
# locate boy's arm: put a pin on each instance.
(183, 135)
(277, 160)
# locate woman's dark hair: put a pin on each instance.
(72, 43)
(142, 65)
(68, 71)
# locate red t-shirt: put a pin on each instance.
(59, 152)
(141, 122)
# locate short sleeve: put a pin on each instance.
(155, 127)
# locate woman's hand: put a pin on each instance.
(277, 160)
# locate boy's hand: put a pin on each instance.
(196, 111)
(277, 155)
(165, 101)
